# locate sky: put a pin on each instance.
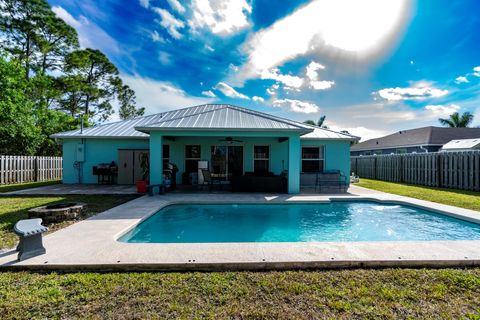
(373, 67)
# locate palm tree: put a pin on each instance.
(319, 123)
(457, 121)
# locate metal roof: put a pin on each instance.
(326, 134)
(426, 136)
(221, 117)
(462, 144)
(203, 117)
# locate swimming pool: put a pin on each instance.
(341, 221)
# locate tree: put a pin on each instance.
(455, 120)
(19, 26)
(128, 106)
(90, 84)
(18, 130)
(55, 40)
(319, 123)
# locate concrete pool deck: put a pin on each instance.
(92, 244)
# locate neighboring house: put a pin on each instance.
(421, 140)
(462, 145)
(235, 141)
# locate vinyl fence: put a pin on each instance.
(457, 170)
(19, 169)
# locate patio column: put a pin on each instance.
(156, 158)
(294, 164)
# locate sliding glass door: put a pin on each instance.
(227, 161)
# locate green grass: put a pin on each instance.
(346, 294)
(458, 198)
(28, 185)
(14, 208)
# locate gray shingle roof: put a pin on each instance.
(434, 136)
(202, 117)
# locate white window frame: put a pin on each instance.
(261, 159)
(316, 159)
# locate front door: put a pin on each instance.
(227, 161)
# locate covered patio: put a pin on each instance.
(242, 149)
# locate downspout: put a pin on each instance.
(424, 149)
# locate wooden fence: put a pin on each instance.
(19, 169)
(457, 170)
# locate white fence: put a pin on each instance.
(19, 169)
(456, 170)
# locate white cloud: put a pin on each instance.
(441, 110)
(209, 93)
(157, 96)
(170, 23)
(229, 91)
(297, 105)
(273, 89)
(165, 58)
(365, 28)
(418, 91)
(312, 70)
(89, 34)
(288, 80)
(461, 79)
(145, 3)
(258, 99)
(312, 75)
(220, 16)
(176, 5)
(321, 85)
(476, 71)
(360, 131)
(66, 16)
(156, 37)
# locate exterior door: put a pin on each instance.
(125, 167)
(227, 161)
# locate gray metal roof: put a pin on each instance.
(221, 117)
(203, 117)
(426, 136)
(326, 134)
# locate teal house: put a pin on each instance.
(229, 141)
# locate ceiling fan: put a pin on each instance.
(230, 140)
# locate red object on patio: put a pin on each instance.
(142, 186)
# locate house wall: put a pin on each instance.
(96, 151)
(337, 153)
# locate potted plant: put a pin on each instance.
(145, 166)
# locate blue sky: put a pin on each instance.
(371, 66)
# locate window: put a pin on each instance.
(401, 151)
(313, 159)
(166, 155)
(192, 156)
(261, 158)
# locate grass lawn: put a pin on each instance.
(14, 208)
(347, 294)
(458, 198)
(27, 185)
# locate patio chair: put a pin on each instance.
(209, 180)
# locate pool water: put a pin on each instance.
(335, 221)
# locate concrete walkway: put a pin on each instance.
(91, 244)
(80, 189)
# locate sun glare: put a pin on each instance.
(365, 25)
